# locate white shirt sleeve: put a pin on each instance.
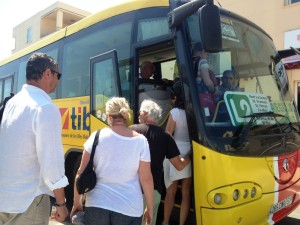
(175, 114)
(49, 146)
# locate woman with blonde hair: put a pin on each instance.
(122, 166)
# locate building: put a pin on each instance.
(281, 20)
(46, 22)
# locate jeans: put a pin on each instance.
(98, 216)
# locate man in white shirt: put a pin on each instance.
(31, 154)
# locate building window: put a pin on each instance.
(294, 1)
(29, 35)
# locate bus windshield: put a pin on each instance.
(250, 106)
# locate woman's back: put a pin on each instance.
(116, 161)
(117, 157)
(181, 132)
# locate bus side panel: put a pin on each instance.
(75, 115)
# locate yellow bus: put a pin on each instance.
(245, 147)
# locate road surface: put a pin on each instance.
(293, 219)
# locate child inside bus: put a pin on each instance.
(207, 84)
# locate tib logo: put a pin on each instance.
(77, 120)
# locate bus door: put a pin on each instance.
(161, 54)
(105, 83)
(6, 87)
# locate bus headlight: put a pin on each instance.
(253, 192)
(218, 199)
(235, 195)
(246, 192)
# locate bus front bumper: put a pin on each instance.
(257, 212)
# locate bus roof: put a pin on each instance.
(125, 6)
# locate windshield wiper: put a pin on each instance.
(242, 133)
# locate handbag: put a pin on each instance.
(87, 180)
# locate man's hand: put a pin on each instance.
(61, 213)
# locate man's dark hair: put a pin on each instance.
(37, 64)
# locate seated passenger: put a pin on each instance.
(154, 90)
(147, 70)
(226, 85)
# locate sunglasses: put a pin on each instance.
(58, 74)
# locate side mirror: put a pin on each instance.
(210, 28)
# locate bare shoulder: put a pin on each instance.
(135, 134)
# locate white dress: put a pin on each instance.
(181, 137)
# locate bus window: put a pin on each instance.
(105, 82)
(124, 71)
(150, 28)
(1, 92)
(79, 50)
(6, 87)
(168, 69)
(22, 73)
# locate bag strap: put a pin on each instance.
(94, 145)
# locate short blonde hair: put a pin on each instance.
(118, 107)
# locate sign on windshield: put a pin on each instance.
(241, 104)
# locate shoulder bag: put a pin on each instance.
(87, 180)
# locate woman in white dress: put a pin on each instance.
(177, 126)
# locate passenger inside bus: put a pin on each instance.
(154, 89)
(221, 113)
(147, 71)
(207, 84)
(227, 84)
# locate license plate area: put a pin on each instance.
(280, 205)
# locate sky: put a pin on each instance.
(14, 12)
